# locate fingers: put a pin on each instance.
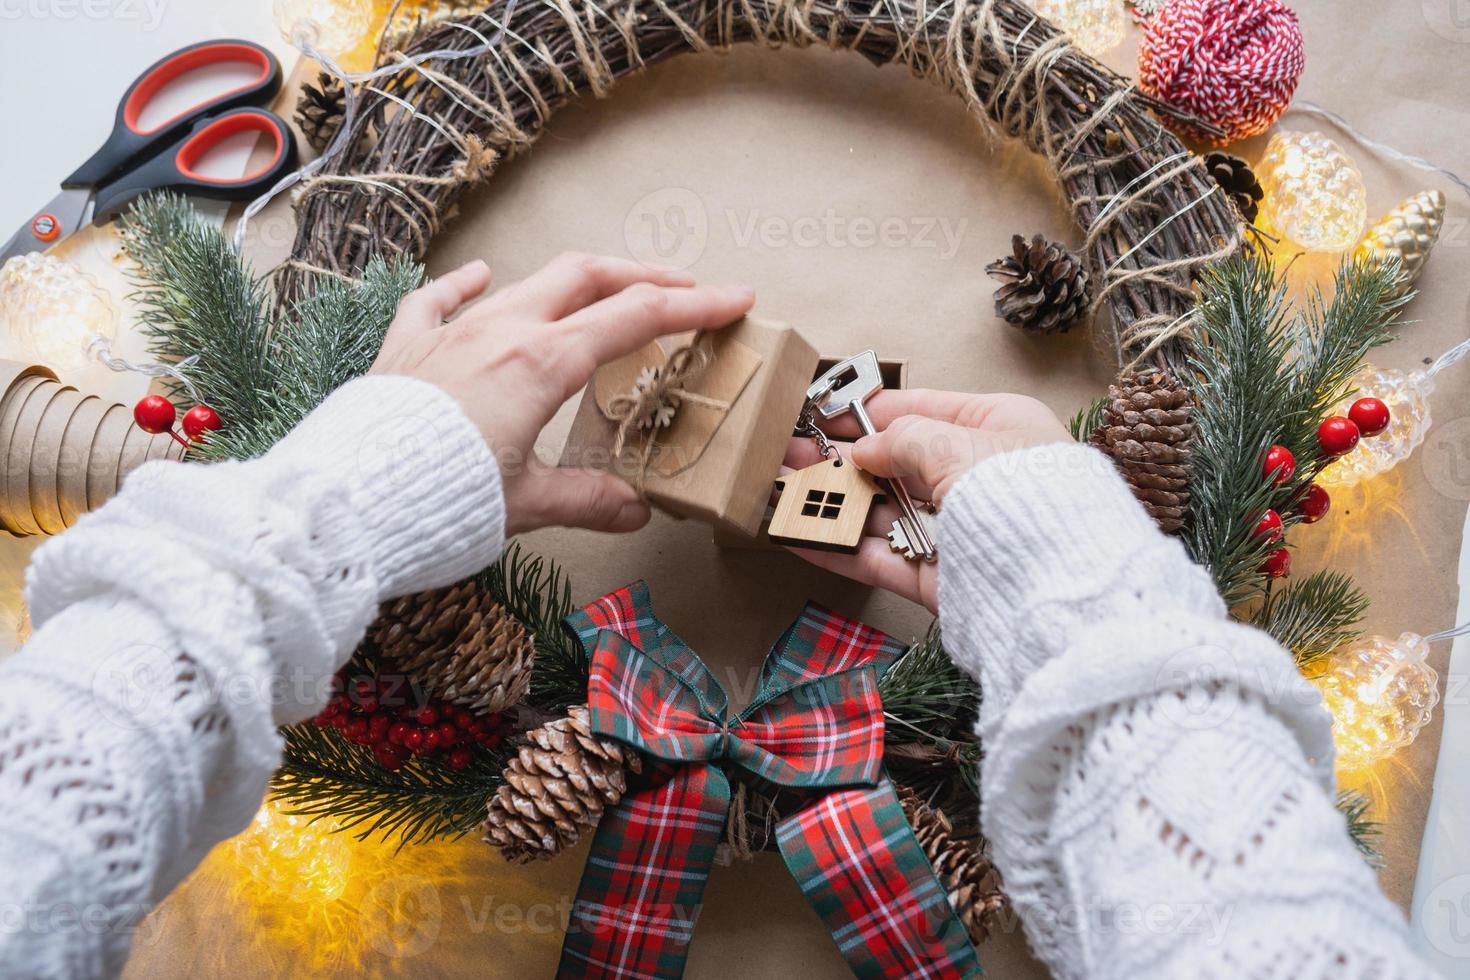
(802, 452)
(573, 280)
(430, 305)
(628, 321)
(891, 404)
(877, 565)
(585, 498)
(933, 452)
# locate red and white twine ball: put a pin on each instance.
(1234, 63)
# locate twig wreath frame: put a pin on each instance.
(1150, 214)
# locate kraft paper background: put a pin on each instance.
(742, 163)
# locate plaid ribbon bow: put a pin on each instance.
(815, 727)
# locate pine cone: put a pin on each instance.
(319, 111)
(1044, 286)
(460, 643)
(962, 867)
(557, 787)
(1234, 175)
(1146, 429)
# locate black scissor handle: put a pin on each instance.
(129, 144)
(177, 167)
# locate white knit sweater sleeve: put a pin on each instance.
(1157, 781)
(177, 626)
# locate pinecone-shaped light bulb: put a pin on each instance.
(51, 311)
(1313, 194)
(1096, 26)
(333, 27)
(1380, 693)
(1407, 398)
(1408, 233)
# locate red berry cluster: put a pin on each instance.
(387, 714)
(1337, 436)
(156, 414)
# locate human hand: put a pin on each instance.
(512, 359)
(927, 439)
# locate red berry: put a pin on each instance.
(357, 727)
(339, 722)
(431, 740)
(364, 687)
(414, 739)
(427, 715)
(459, 758)
(397, 732)
(1269, 526)
(1279, 465)
(1314, 504)
(154, 413)
(1337, 435)
(1370, 415)
(463, 718)
(322, 720)
(448, 734)
(387, 756)
(378, 728)
(475, 728)
(1277, 563)
(199, 420)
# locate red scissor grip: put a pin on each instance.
(183, 62)
(212, 135)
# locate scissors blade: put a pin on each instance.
(67, 212)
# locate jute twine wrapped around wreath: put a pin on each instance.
(1150, 213)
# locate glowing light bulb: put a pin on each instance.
(1314, 196)
(51, 311)
(333, 27)
(1407, 398)
(1380, 692)
(1096, 26)
(293, 858)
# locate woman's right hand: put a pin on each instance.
(928, 439)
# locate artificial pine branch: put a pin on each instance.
(1365, 833)
(926, 697)
(536, 592)
(1313, 616)
(325, 776)
(1087, 420)
(1263, 375)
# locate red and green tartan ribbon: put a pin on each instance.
(815, 727)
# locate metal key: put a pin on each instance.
(844, 389)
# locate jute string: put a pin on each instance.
(666, 389)
(491, 101)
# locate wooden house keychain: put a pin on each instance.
(826, 505)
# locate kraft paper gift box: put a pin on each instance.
(718, 458)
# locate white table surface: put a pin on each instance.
(59, 110)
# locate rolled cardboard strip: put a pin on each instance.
(46, 459)
(134, 453)
(11, 404)
(76, 448)
(18, 459)
(102, 463)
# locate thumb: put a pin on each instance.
(918, 448)
(586, 498)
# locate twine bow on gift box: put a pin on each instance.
(650, 391)
(815, 731)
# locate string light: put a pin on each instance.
(52, 312)
(292, 858)
(333, 27)
(1380, 693)
(1096, 26)
(1314, 195)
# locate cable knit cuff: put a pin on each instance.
(1037, 543)
(418, 476)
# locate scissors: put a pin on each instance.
(166, 156)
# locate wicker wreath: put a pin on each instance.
(1150, 213)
